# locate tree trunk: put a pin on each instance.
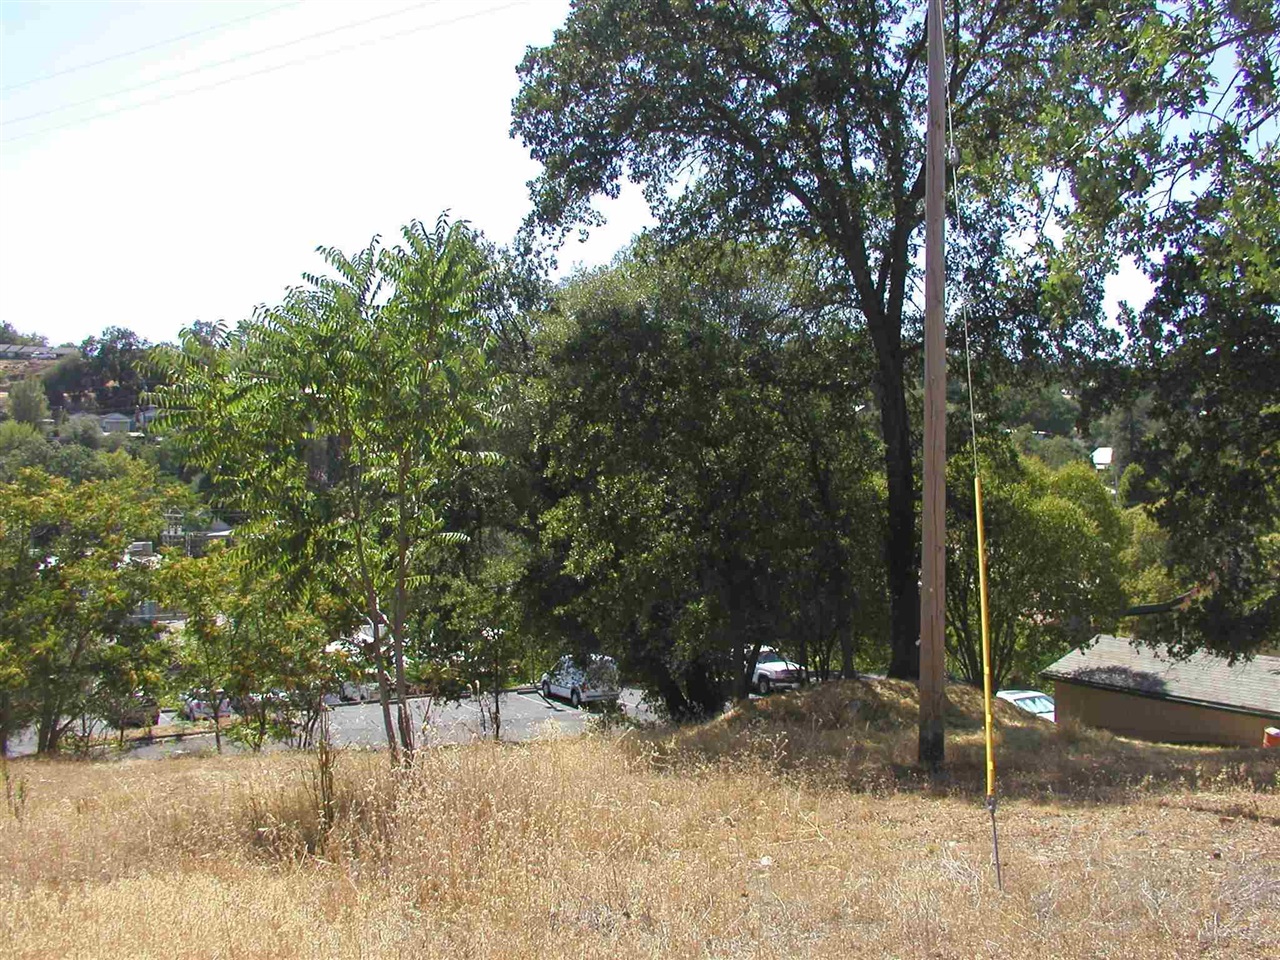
(704, 689)
(847, 669)
(672, 696)
(48, 730)
(747, 673)
(901, 548)
(384, 699)
(6, 723)
(403, 719)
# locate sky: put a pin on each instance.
(194, 180)
(167, 162)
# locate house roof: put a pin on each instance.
(1113, 663)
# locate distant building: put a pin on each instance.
(115, 423)
(1142, 692)
(17, 351)
(1102, 457)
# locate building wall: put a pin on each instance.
(1163, 720)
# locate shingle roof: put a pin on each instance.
(1113, 663)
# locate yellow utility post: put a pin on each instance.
(986, 671)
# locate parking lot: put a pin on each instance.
(524, 715)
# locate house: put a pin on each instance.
(1142, 692)
(115, 423)
(23, 351)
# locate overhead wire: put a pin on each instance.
(150, 46)
(300, 61)
(217, 63)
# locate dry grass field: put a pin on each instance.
(795, 826)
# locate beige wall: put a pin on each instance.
(1150, 719)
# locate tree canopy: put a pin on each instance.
(800, 121)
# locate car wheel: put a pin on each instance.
(762, 685)
(546, 690)
(575, 699)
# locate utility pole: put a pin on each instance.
(933, 560)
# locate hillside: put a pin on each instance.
(14, 370)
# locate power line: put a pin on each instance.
(151, 46)
(265, 70)
(218, 63)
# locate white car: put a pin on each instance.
(199, 706)
(1032, 701)
(354, 691)
(775, 672)
(582, 679)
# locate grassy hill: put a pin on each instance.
(793, 826)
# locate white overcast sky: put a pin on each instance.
(192, 180)
(202, 205)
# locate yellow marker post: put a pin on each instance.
(986, 671)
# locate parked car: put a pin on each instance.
(582, 679)
(199, 705)
(774, 672)
(1032, 701)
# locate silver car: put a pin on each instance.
(582, 679)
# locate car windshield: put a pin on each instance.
(770, 656)
(1037, 704)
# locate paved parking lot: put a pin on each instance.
(524, 715)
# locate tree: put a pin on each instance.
(704, 464)
(333, 422)
(69, 592)
(802, 119)
(281, 666)
(203, 588)
(1206, 350)
(1053, 554)
(21, 445)
(69, 383)
(85, 430)
(9, 334)
(116, 368)
(27, 403)
(483, 621)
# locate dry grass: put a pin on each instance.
(862, 735)
(724, 841)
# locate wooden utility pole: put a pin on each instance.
(933, 561)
